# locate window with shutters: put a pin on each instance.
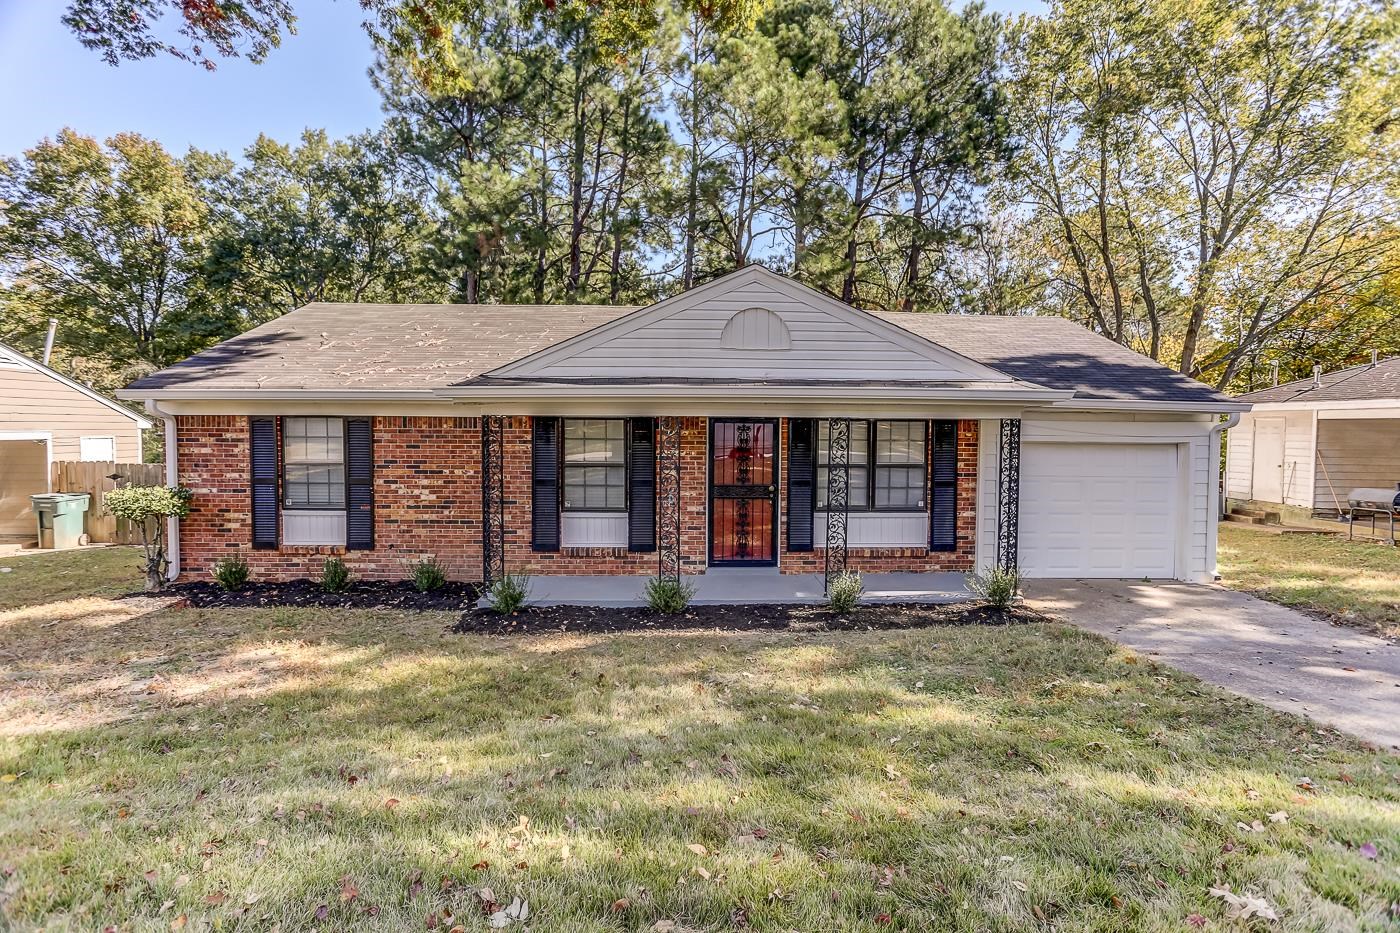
(313, 463)
(595, 465)
(888, 463)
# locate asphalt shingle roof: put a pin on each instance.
(424, 347)
(1055, 353)
(380, 346)
(1357, 384)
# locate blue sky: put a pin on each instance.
(316, 79)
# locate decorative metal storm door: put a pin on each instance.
(668, 498)
(743, 493)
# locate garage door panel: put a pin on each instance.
(1098, 510)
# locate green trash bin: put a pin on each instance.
(60, 517)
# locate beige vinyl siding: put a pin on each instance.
(36, 402)
(1358, 452)
(23, 472)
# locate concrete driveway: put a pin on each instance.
(1270, 653)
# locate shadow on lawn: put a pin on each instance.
(831, 780)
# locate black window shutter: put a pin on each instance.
(943, 504)
(641, 485)
(359, 484)
(262, 446)
(544, 478)
(802, 476)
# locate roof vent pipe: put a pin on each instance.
(48, 339)
(1375, 358)
(1317, 376)
(1273, 371)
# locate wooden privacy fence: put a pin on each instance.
(94, 478)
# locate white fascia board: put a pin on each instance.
(1147, 405)
(1324, 405)
(988, 392)
(24, 362)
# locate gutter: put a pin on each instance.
(1212, 436)
(172, 478)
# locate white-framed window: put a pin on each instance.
(888, 464)
(97, 447)
(595, 465)
(313, 463)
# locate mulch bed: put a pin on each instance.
(359, 595)
(593, 619)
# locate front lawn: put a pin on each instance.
(313, 768)
(1354, 583)
(47, 576)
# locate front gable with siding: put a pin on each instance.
(752, 326)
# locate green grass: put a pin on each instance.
(43, 577)
(1354, 583)
(255, 768)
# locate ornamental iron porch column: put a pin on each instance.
(493, 498)
(838, 486)
(1009, 494)
(668, 498)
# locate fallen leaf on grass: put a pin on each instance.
(322, 912)
(664, 926)
(1278, 817)
(1244, 906)
(215, 899)
(1196, 920)
(1368, 850)
(620, 905)
(348, 890)
(698, 849)
(517, 912)
(179, 922)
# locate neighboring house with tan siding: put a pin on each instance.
(1308, 443)
(46, 417)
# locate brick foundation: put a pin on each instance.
(427, 489)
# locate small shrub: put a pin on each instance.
(231, 573)
(844, 593)
(335, 576)
(997, 587)
(428, 575)
(510, 593)
(147, 507)
(669, 596)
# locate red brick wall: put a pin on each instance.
(887, 560)
(427, 487)
(427, 501)
(694, 533)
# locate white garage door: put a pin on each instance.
(1098, 510)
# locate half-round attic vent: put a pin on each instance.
(755, 329)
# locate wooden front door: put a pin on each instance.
(743, 493)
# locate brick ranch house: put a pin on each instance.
(750, 421)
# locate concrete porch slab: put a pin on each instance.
(740, 586)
